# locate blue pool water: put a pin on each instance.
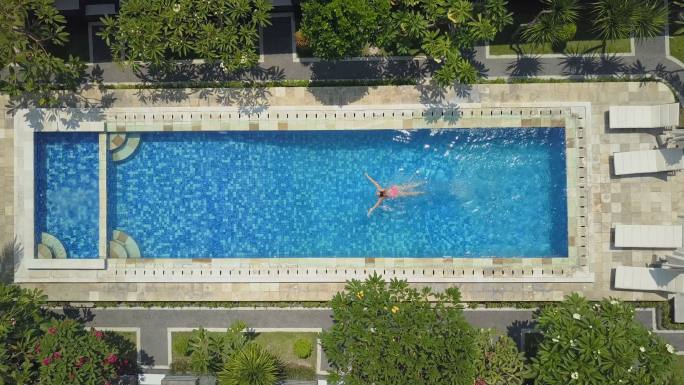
(66, 188)
(488, 192)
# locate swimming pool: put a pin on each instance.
(488, 193)
(66, 190)
(497, 192)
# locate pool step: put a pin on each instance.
(116, 140)
(44, 252)
(53, 244)
(127, 148)
(130, 246)
(117, 250)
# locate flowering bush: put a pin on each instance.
(21, 316)
(390, 333)
(70, 354)
(598, 344)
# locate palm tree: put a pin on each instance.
(679, 21)
(620, 19)
(253, 365)
(555, 24)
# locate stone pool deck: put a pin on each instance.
(608, 200)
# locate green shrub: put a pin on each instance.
(498, 360)
(180, 365)
(567, 32)
(253, 365)
(302, 348)
(299, 372)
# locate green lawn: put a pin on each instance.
(573, 47)
(278, 343)
(131, 337)
(677, 47)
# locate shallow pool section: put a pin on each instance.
(487, 193)
(66, 188)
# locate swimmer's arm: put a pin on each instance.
(378, 203)
(377, 185)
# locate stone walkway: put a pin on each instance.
(153, 324)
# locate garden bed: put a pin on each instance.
(280, 344)
(507, 42)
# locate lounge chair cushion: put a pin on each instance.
(649, 279)
(648, 236)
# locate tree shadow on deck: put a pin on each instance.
(171, 84)
(85, 104)
(10, 254)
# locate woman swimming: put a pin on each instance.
(405, 190)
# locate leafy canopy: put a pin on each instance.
(208, 354)
(499, 362)
(394, 334)
(445, 30)
(554, 24)
(253, 365)
(28, 29)
(600, 344)
(158, 31)
(619, 19)
(36, 347)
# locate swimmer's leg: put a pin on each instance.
(410, 193)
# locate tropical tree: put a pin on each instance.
(499, 362)
(555, 24)
(394, 334)
(159, 31)
(209, 353)
(589, 344)
(28, 30)
(620, 19)
(444, 30)
(678, 8)
(36, 347)
(253, 365)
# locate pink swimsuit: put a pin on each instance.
(393, 192)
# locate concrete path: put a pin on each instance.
(153, 324)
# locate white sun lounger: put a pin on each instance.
(648, 161)
(646, 279)
(654, 116)
(648, 236)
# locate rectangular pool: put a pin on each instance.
(488, 193)
(66, 190)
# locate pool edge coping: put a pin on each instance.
(582, 110)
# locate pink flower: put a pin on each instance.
(36, 348)
(80, 362)
(52, 330)
(111, 359)
(47, 361)
(480, 381)
(98, 334)
(57, 355)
